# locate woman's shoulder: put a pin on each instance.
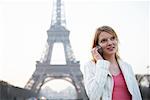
(124, 63)
(89, 63)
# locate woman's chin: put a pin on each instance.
(111, 53)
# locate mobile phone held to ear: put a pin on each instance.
(100, 50)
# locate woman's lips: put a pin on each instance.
(110, 48)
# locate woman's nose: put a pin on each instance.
(109, 41)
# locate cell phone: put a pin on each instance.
(100, 50)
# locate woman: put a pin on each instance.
(106, 76)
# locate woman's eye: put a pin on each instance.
(103, 40)
(112, 38)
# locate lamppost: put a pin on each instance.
(148, 69)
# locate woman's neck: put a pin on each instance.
(111, 59)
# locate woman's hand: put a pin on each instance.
(95, 54)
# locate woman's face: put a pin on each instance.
(109, 43)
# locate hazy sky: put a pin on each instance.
(23, 26)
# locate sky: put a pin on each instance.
(23, 36)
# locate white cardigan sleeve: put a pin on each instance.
(95, 76)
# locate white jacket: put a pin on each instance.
(99, 82)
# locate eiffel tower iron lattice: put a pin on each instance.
(45, 71)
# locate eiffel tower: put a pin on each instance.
(45, 71)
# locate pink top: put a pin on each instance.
(120, 90)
